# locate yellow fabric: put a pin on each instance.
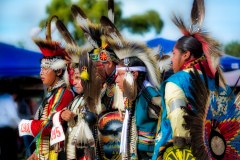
(176, 119)
(173, 92)
(177, 153)
(53, 155)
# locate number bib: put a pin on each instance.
(24, 127)
(57, 134)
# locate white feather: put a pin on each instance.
(156, 50)
(90, 40)
(83, 136)
(165, 64)
(99, 106)
(58, 64)
(129, 78)
(118, 101)
(70, 148)
(115, 37)
(111, 15)
(75, 58)
(82, 22)
(75, 51)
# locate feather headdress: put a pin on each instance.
(72, 49)
(48, 47)
(54, 53)
(124, 49)
(163, 60)
(211, 47)
(93, 33)
(79, 58)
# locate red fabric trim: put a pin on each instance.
(51, 48)
(37, 126)
(197, 66)
(71, 74)
(53, 52)
(206, 49)
(184, 66)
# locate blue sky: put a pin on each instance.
(18, 18)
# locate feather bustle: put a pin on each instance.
(195, 120)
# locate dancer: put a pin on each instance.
(196, 103)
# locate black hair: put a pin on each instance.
(191, 44)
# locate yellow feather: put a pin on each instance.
(84, 75)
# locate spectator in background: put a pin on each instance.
(25, 113)
(23, 108)
(33, 104)
(9, 120)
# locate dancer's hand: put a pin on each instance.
(67, 115)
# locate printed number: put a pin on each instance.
(25, 127)
(55, 133)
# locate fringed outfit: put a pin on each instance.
(57, 99)
(142, 123)
(199, 119)
(179, 132)
(80, 142)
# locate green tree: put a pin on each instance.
(94, 9)
(21, 44)
(233, 48)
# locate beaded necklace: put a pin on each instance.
(192, 63)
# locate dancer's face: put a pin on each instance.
(48, 76)
(120, 78)
(77, 81)
(178, 59)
